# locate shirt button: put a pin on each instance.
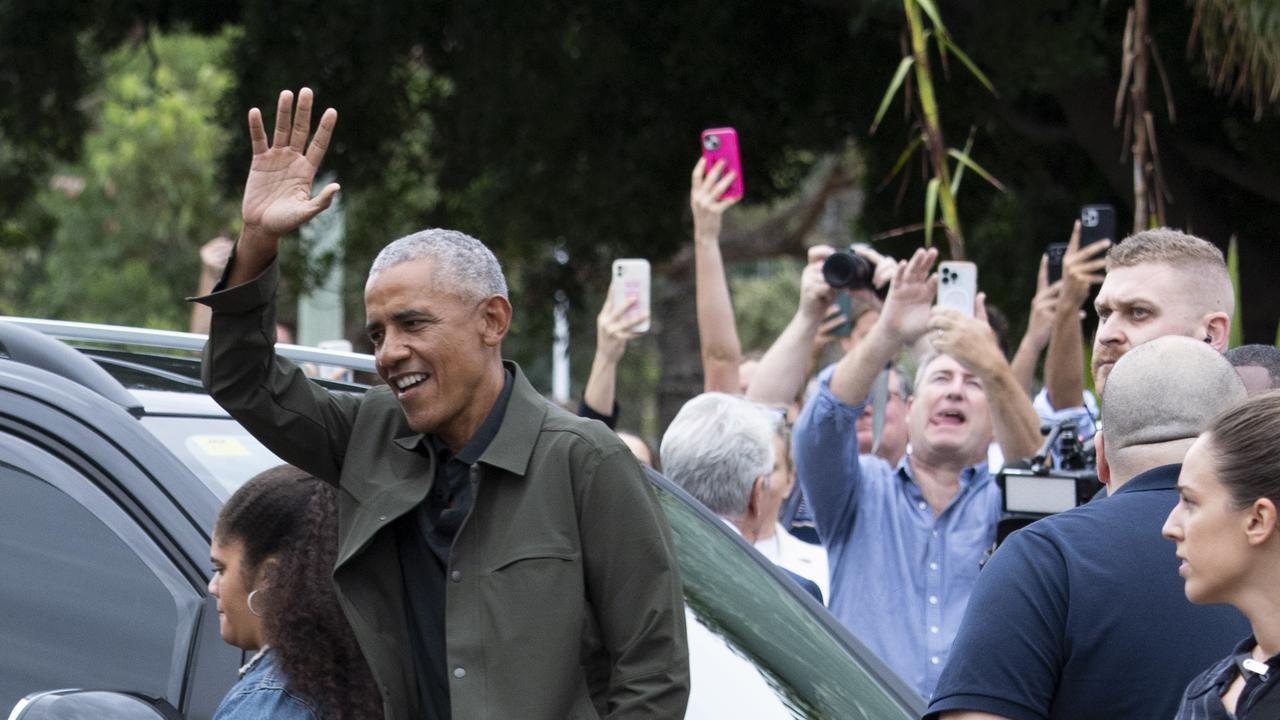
(382, 518)
(933, 599)
(459, 672)
(456, 576)
(935, 533)
(935, 659)
(933, 566)
(922, 505)
(933, 629)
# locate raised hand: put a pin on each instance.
(277, 194)
(1044, 307)
(1081, 268)
(816, 295)
(906, 309)
(614, 328)
(968, 339)
(705, 201)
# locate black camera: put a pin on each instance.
(848, 270)
(1039, 487)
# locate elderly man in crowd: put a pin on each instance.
(479, 560)
(1258, 365)
(1082, 614)
(726, 452)
(906, 542)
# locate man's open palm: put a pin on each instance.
(277, 194)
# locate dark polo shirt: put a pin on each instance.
(1082, 615)
(425, 537)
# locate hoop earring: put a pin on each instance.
(249, 601)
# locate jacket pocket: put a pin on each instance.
(535, 553)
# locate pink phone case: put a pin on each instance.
(722, 144)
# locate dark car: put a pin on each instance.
(113, 464)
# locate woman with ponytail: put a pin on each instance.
(273, 551)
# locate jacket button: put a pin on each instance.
(459, 672)
(456, 576)
(382, 518)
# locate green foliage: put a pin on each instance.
(1241, 44)
(1233, 270)
(132, 213)
(765, 295)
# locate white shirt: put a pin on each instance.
(802, 558)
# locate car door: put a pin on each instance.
(103, 567)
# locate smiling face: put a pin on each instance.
(239, 626)
(948, 419)
(1208, 531)
(437, 349)
(1140, 303)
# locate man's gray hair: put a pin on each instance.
(1164, 390)
(1263, 356)
(463, 263)
(716, 447)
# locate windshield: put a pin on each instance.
(217, 449)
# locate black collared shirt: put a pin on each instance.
(425, 537)
(1203, 699)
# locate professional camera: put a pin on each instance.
(848, 270)
(1061, 475)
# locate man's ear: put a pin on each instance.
(1260, 524)
(495, 317)
(1217, 330)
(1100, 451)
(756, 502)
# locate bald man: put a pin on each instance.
(1082, 614)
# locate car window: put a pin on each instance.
(755, 646)
(217, 449)
(83, 605)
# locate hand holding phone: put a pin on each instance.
(722, 144)
(631, 282)
(1097, 222)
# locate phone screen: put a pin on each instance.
(1055, 251)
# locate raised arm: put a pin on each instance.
(784, 367)
(1064, 365)
(717, 332)
(612, 333)
(971, 341)
(904, 318)
(277, 194)
(213, 260)
(1039, 326)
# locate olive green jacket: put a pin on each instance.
(564, 598)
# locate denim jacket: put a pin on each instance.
(262, 694)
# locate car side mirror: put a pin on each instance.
(92, 705)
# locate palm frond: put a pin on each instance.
(1240, 40)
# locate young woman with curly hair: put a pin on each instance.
(273, 551)
(1227, 529)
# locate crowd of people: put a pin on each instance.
(493, 555)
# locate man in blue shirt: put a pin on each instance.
(1082, 614)
(905, 543)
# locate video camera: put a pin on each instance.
(1061, 475)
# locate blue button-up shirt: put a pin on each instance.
(900, 577)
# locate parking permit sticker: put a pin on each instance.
(220, 445)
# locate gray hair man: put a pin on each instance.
(451, 473)
(1082, 614)
(726, 452)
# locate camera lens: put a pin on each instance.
(845, 270)
(711, 142)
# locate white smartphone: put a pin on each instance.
(958, 285)
(631, 280)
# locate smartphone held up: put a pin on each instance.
(631, 282)
(722, 144)
(958, 286)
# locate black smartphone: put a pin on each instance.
(845, 302)
(1055, 251)
(1097, 222)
